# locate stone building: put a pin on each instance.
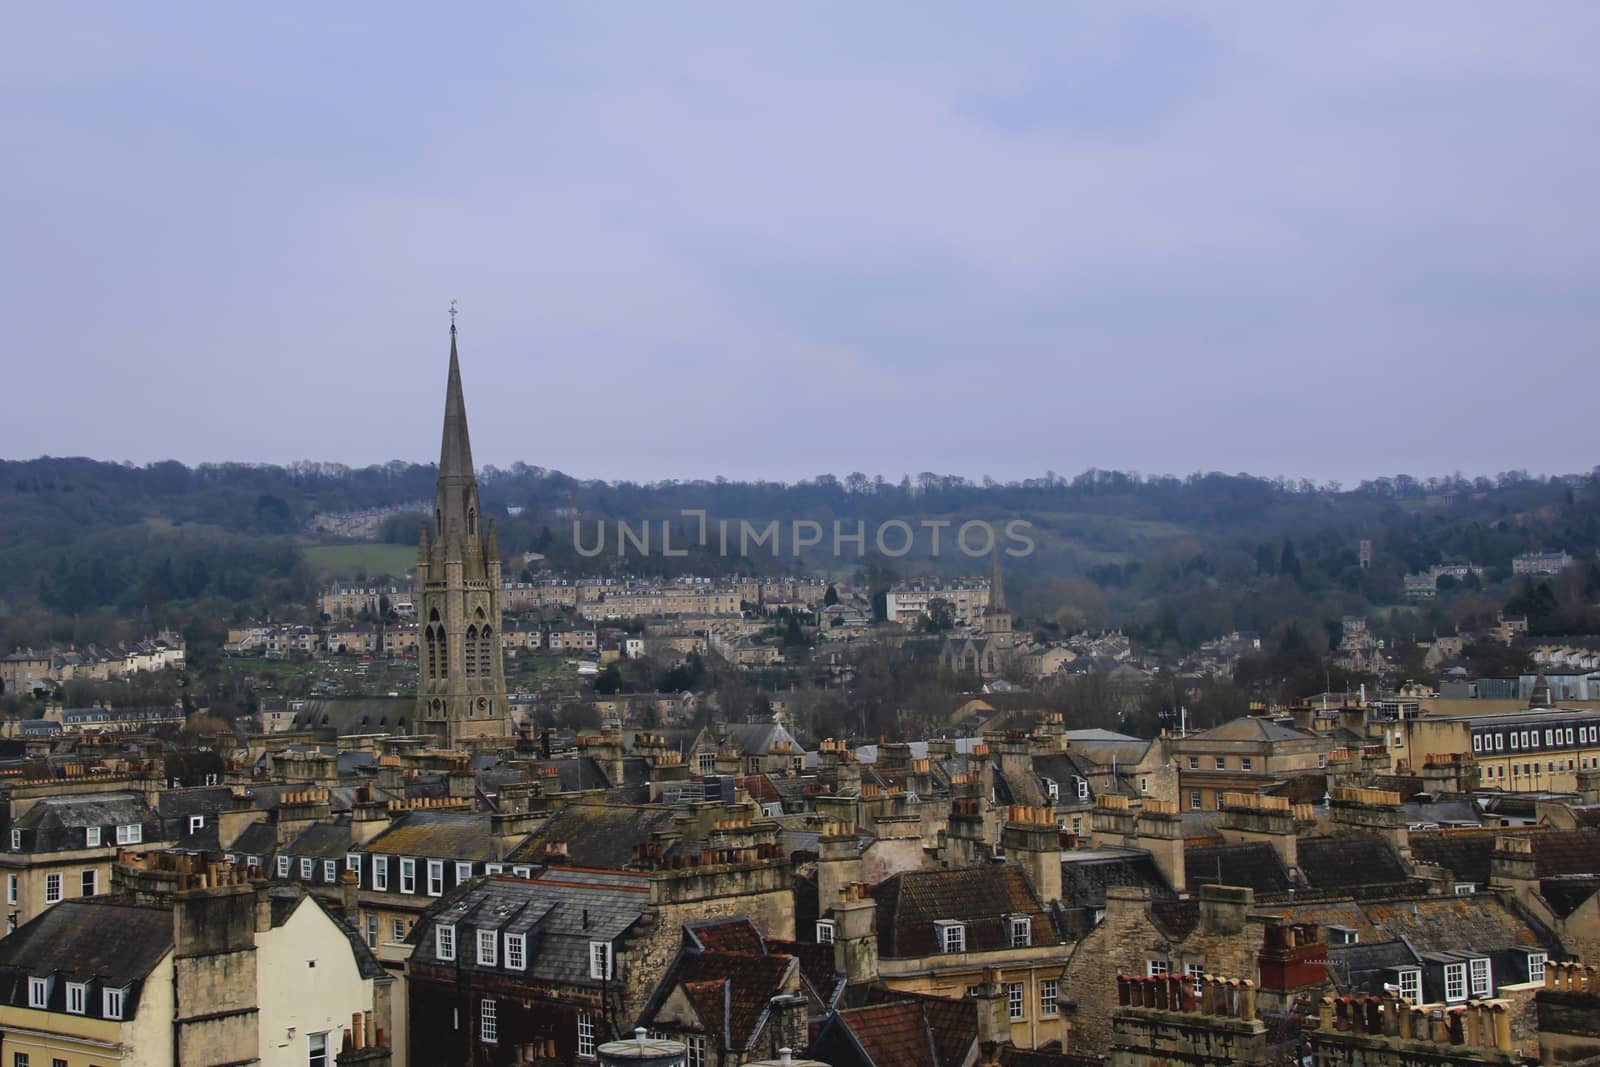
(461, 685)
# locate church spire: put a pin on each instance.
(997, 586)
(455, 449)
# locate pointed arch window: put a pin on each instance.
(470, 651)
(432, 650)
(486, 651)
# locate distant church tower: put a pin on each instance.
(461, 683)
(996, 619)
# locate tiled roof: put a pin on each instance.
(1441, 924)
(745, 983)
(726, 935)
(1255, 864)
(1469, 853)
(596, 835)
(816, 967)
(436, 835)
(914, 1032)
(95, 938)
(1348, 861)
(982, 897)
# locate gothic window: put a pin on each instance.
(444, 653)
(472, 522)
(486, 651)
(470, 651)
(429, 640)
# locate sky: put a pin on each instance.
(1330, 241)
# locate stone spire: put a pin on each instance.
(997, 585)
(456, 504)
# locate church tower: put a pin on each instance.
(461, 683)
(996, 619)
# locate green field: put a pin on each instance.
(346, 561)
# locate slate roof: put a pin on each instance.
(1249, 728)
(1469, 853)
(1566, 894)
(1085, 876)
(436, 835)
(1361, 968)
(1350, 861)
(1441, 924)
(182, 803)
(357, 715)
(84, 810)
(1255, 864)
(559, 917)
(93, 938)
(596, 835)
(983, 897)
(323, 840)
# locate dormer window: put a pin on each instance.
(444, 941)
(952, 936)
(435, 878)
(1480, 977)
(77, 997)
(408, 875)
(1409, 979)
(1051, 789)
(352, 862)
(1343, 935)
(488, 948)
(130, 833)
(1083, 789)
(330, 871)
(283, 866)
(111, 1003)
(826, 931)
(380, 872)
(516, 952)
(91, 837)
(463, 872)
(16, 840)
(38, 992)
(196, 823)
(1021, 928)
(306, 867)
(600, 960)
(1455, 982)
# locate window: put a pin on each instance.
(1194, 763)
(1500, 742)
(130, 834)
(516, 952)
(196, 823)
(408, 875)
(1477, 743)
(1322, 762)
(1021, 931)
(52, 888)
(77, 997)
(317, 1050)
(307, 866)
(585, 1035)
(1194, 971)
(1047, 997)
(1536, 962)
(493, 868)
(600, 960)
(19, 1059)
(1411, 985)
(11, 889)
(252, 861)
(352, 862)
(1052, 789)
(1343, 935)
(488, 948)
(88, 883)
(397, 927)
(1014, 1002)
(1466, 889)
(487, 1030)
(372, 931)
(16, 840)
(91, 837)
(952, 936)
(38, 992)
(1515, 742)
(1222, 763)
(707, 762)
(695, 1046)
(435, 878)
(463, 872)
(1083, 789)
(825, 931)
(1455, 982)
(111, 1003)
(444, 941)
(1482, 978)
(1144, 783)
(380, 872)
(1246, 763)
(1194, 799)
(283, 866)
(1155, 968)
(330, 871)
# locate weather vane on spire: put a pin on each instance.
(453, 312)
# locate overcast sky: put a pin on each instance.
(762, 240)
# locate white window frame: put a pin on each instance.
(53, 888)
(1196, 801)
(308, 867)
(585, 1035)
(1083, 789)
(695, 1046)
(522, 872)
(444, 941)
(1536, 965)
(397, 928)
(11, 889)
(488, 948)
(16, 839)
(600, 961)
(318, 1054)
(408, 875)
(1411, 984)
(372, 930)
(1156, 968)
(952, 937)
(330, 871)
(436, 878)
(380, 873)
(1455, 983)
(91, 837)
(516, 952)
(488, 1023)
(283, 866)
(1016, 1003)
(111, 1003)
(352, 862)
(1049, 997)
(38, 992)
(827, 931)
(77, 998)
(1247, 763)
(463, 872)
(1194, 972)
(493, 868)
(1480, 977)
(130, 833)
(1020, 928)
